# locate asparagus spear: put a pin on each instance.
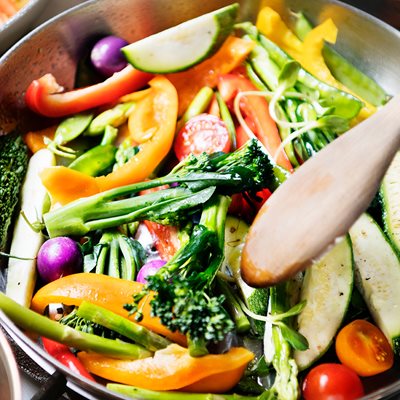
(43, 326)
(121, 325)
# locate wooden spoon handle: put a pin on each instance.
(321, 200)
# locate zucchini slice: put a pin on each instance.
(327, 288)
(390, 195)
(255, 299)
(377, 276)
(184, 45)
(21, 274)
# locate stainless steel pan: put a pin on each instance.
(57, 45)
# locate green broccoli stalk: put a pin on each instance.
(247, 169)
(183, 301)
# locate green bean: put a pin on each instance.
(227, 118)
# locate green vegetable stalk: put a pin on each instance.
(139, 393)
(43, 326)
(247, 169)
(183, 300)
(139, 334)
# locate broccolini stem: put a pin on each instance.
(99, 315)
(31, 321)
(145, 394)
(197, 347)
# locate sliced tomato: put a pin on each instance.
(332, 382)
(166, 239)
(254, 108)
(363, 347)
(202, 133)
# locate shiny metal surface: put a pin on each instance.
(10, 384)
(57, 45)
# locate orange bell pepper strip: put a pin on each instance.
(35, 140)
(173, 368)
(103, 290)
(155, 113)
(188, 83)
(46, 97)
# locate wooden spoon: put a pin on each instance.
(319, 203)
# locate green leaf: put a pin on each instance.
(288, 75)
(294, 338)
(295, 310)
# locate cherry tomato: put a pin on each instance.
(364, 348)
(332, 382)
(202, 133)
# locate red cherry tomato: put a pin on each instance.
(203, 133)
(332, 382)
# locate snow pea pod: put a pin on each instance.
(95, 161)
(346, 105)
(70, 128)
(343, 70)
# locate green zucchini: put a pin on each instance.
(184, 45)
(255, 299)
(377, 276)
(327, 288)
(390, 196)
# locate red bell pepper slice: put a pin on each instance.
(46, 97)
(64, 355)
(256, 109)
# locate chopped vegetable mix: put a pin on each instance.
(146, 192)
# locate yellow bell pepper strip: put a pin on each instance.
(103, 290)
(35, 140)
(173, 368)
(46, 97)
(188, 83)
(155, 113)
(309, 52)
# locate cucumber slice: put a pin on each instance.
(377, 268)
(21, 274)
(327, 288)
(390, 195)
(184, 45)
(255, 299)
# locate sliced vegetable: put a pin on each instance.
(184, 45)
(332, 381)
(59, 257)
(156, 112)
(322, 315)
(255, 108)
(165, 237)
(173, 368)
(46, 97)
(106, 55)
(37, 140)
(73, 289)
(390, 195)
(202, 133)
(362, 347)
(232, 53)
(64, 355)
(255, 299)
(377, 269)
(21, 275)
